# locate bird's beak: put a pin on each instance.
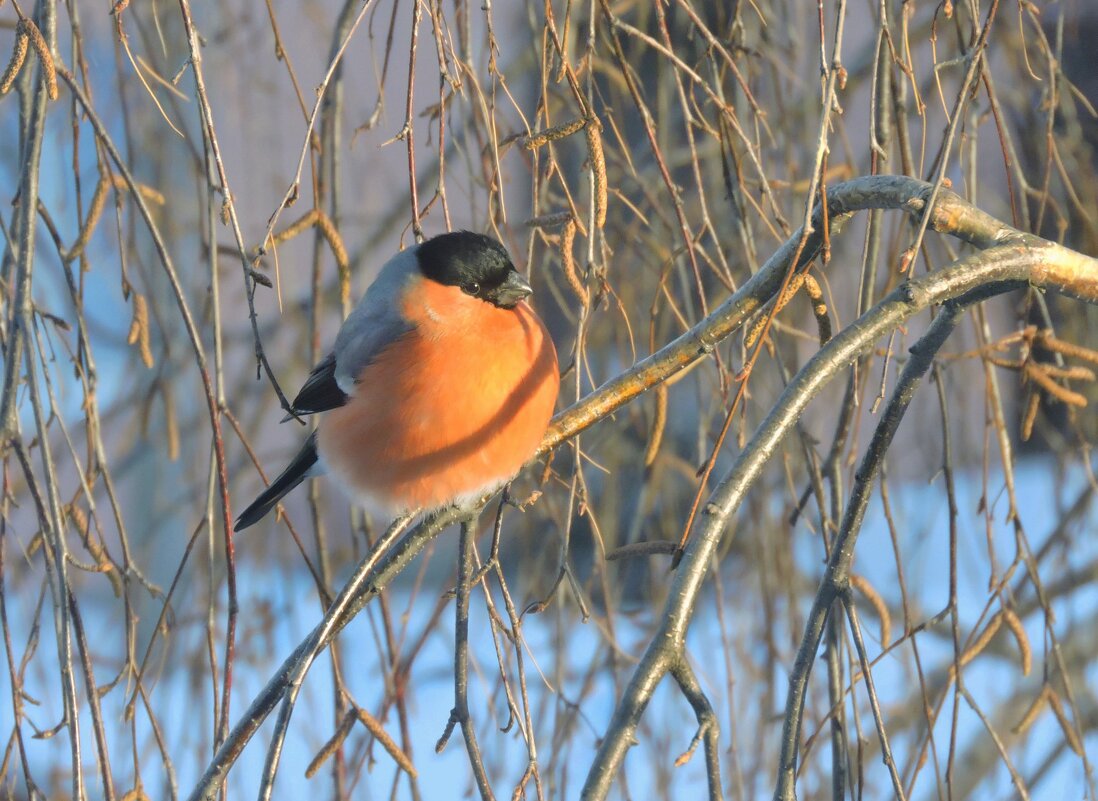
(514, 289)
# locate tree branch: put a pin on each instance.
(1014, 258)
(1026, 259)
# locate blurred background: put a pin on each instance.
(134, 403)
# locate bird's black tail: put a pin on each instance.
(293, 475)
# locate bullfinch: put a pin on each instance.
(439, 387)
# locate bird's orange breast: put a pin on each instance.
(451, 409)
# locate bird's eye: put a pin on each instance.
(471, 288)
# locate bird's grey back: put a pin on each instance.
(376, 321)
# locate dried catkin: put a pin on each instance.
(593, 130)
(541, 138)
(42, 50)
(15, 63)
(568, 262)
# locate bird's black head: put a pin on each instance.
(478, 264)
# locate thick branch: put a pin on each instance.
(999, 269)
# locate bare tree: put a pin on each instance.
(816, 274)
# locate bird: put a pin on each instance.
(439, 387)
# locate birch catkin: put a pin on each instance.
(593, 130)
(15, 63)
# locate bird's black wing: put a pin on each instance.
(321, 391)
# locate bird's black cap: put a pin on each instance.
(477, 263)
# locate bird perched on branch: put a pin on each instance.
(439, 387)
